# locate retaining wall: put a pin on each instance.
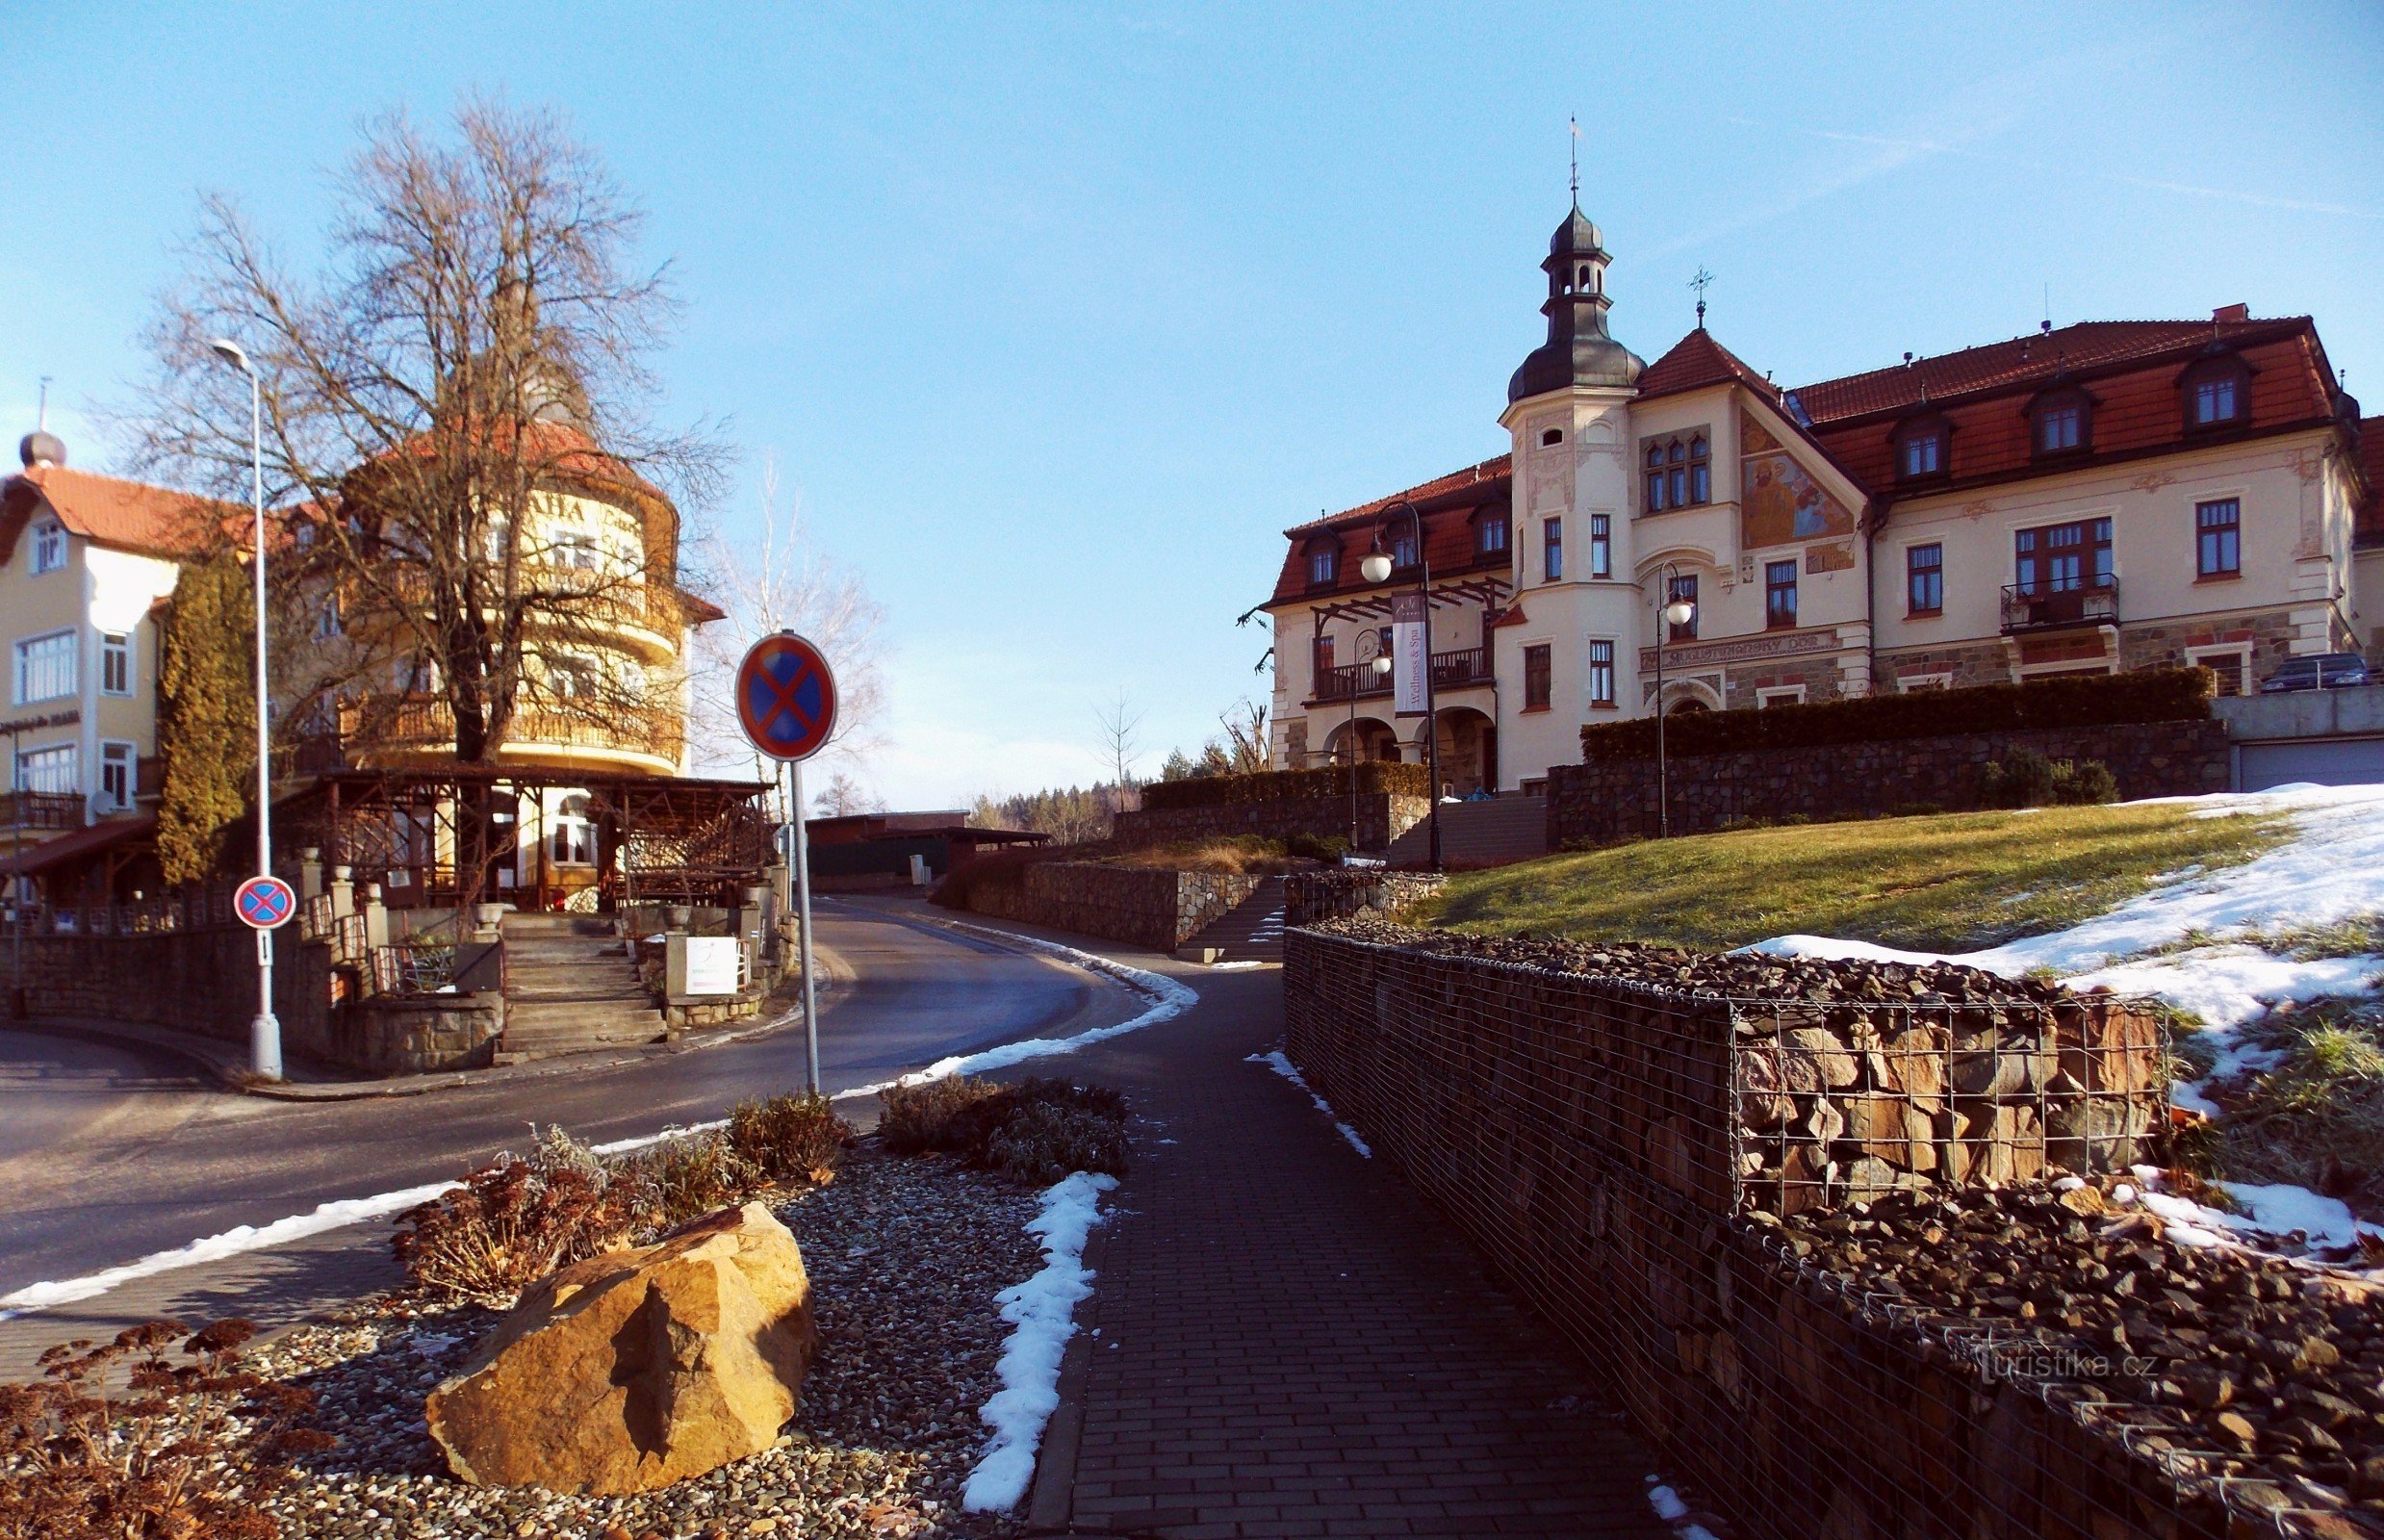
(1159, 910)
(202, 981)
(1603, 804)
(1577, 1131)
(1381, 817)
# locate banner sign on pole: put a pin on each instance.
(1408, 659)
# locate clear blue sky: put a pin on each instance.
(1056, 317)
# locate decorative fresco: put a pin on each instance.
(1836, 557)
(1779, 502)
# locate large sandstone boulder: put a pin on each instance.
(639, 1367)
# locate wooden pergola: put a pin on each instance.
(419, 832)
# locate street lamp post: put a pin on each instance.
(1378, 666)
(1376, 567)
(264, 1031)
(1670, 613)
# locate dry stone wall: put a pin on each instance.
(202, 981)
(1605, 804)
(1591, 1135)
(1345, 892)
(1160, 909)
(1381, 817)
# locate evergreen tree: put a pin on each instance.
(206, 715)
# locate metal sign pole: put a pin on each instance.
(803, 911)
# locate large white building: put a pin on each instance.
(2109, 495)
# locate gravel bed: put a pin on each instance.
(905, 1256)
(2240, 1364)
(1747, 975)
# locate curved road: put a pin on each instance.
(108, 1154)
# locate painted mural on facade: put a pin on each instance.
(1779, 502)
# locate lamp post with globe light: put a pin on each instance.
(1379, 666)
(1376, 567)
(1674, 612)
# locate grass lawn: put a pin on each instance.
(1956, 882)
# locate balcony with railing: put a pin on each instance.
(39, 812)
(2051, 607)
(385, 727)
(1451, 671)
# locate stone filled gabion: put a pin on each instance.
(1844, 1080)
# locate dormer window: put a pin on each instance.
(1324, 562)
(1679, 471)
(2217, 392)
(1490, 536)
(1924, 448)
(49, 545)
(2061, 421)
(1404, 552)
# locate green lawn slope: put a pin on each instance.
(1955, 881)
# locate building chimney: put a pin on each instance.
(2227, 312)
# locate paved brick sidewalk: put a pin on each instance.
(1291, 1342)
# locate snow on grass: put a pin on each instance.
(231, 1243)
(2330, 872)
(1289, 1072)
(1168, 999)
(1042, 1311)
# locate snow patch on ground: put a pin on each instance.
(1673, 1511)
(1042, 1311)
(1170, 999)
(1238, 966)
(1289, 1072)
(230, 1243)
(2331, 871)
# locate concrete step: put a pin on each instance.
(1250, 932)
(1494, 833)
(543, 1027)
(558, 924)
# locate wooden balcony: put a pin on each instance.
(41, 812)
(412, 726)
(1451, 671)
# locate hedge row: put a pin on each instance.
(1396, 777)
(2081, 701)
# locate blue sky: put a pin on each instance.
(1055, 316)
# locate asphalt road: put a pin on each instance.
(108, 1154)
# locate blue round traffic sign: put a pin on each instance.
(785, 697)
(264, 903)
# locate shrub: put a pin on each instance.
(513, 1223)
(191, 1450)
(1036, 1131)
(2028, 779)
(666, 1184)
(1398, 778)
(2087, 782)
(1318, 847)
(2144, 695)
(1044, 1142)
(789, 1139)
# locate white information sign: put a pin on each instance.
(1408, 657)
(711, 964)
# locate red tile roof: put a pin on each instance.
(127, 515)
(1448, 505)
(1497, 468)
(1696, 362)
(2088, 347)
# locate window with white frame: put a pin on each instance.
(44, 667)
(1780, 695)
(50, 770)
(2231, 663)
(1914, 684)
(117, 760)
(573, 842)
(49, 545)
(116, 663)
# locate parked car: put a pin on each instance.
(2328, 671)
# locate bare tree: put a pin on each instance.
(1120, 740)
(774, 579)
(454, 420)
(845, 796)
(1245, 736)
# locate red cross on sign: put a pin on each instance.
(265, 903)
(785, 697)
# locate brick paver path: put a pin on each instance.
(1291, 1342)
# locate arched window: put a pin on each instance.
(573, 842)
(1656, 479)
(1552, 435)
(1701, 471)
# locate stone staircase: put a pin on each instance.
(1250, 932)
(1478, 833)
(571, 986)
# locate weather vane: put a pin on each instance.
(1700, 284)
(1574, 124)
